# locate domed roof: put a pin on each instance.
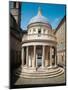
(38, 18)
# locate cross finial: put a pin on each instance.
(39, 11)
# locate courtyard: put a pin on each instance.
(37, 52)
(23, 82)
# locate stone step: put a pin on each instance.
(40, 74)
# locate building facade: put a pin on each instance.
(15, 34)
(60, 34)
(15, 10)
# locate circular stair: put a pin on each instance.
(40, 73)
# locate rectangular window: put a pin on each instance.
(39, 32)
(11, 5)
(44, 31)
(33, 29)
(14, 5)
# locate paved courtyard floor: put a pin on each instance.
(54, 80)
(58, 80)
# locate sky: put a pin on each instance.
(53, 12)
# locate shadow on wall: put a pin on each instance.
(15, 62)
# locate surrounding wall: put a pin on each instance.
(15, 45)
(15, 35)
(61, 34)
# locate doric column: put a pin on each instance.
(27, 58)
(43, 56)
(22, 56)
(34, 57)
(50, 56)
(55, 56)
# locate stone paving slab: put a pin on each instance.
(55, 80)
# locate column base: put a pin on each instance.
(28, 69)
(43, 67)
(50, 67)
(33, 68)
(55, 65)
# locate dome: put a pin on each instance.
(38, 18)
